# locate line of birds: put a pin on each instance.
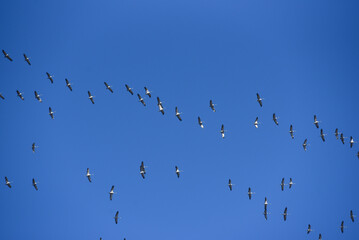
(200, 122)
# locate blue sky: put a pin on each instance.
(301, 56)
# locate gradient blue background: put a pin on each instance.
(301, 56)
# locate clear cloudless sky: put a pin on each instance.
(301, 56)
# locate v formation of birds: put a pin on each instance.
(177, 114)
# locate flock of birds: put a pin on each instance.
(147, 92)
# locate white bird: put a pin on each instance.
(6, 55)
(129, 89)
(142, 170)
(291, 183)
(285, 214)
(27, 59)
(37, 96)
(275, 119)
(88, 175)
(230, 185)
(222, 131)
(50, 77)
(34, 183)
(259, 100)
(336, 133)
(250, 193)
(177, 172)
(91, 97)
(351, 142)
(282, 184)
(7, 182)
(33, 147)
(108, 87)
(322, 134)
(309, 229)
(316, 122)
(140, 99)
(68, 84)
(200, 122)
(211, 105)
(19, 94)
(51, 113)
(111, 191)
(305, 144)
(291, 131)
(178, 114)
(147, 92)
(256, 122)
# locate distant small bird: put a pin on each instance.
(222, 131)
(142, 170)
(322, 134)
(6, 55)
(19, 94)
(342, 227)
(91, 97)
(27, 59)
(111, 192)
(34, 184)
(230, 185)
(116, 217)
(305, 145)
(200, 122)
(211, 105)
(291, 131)
(285, 214)
(352, 215)
(7, 182)
(259, 100)
(37, 96)
(160, 107)
(68, 84)
(50, 77)
(129, 89)
(320, 236)
(342, 137)
(358, 154)
(147, 92)
(33, 147)
(88, 175)
(309, 229)
(336, 133)
(275, 119)
(177, 172)
(316, 122)
(256, 122)
(250, 193)
(141, 99)
(290, 182)
(51, 113)
(282, 184)
(108, 87)
(265, 203)
(178, 114)
(2, 97)
(351, 142)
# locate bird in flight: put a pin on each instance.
(336, 133)
(275, 119)
(351, 142)
(282, 184)
(222, 131)
(177, 172)
(141, 99)
(342, 137)
(322, 134)
(108, 87)
(51, 113)
(342, 227)
(88, 175)
(129, 89)
(178, 114)
(200, 122)
(211, 105)
(147, 92)
(6, 55)
(358, 154)
(285, 214)
(291, 131)
(265, 203)
(33, 147)
(305, 145)
(91, 97)
(265, 214)
(250, 193)
(27, 59)
(309, 229)
(68, 84)
(320, 236)
(256, 122)
(142, 170)
(112, 192)
(160, 107)
(230, 185)
(290, 182)
(7, 182)
(19, 94)
(2, 97)
(116, 217)
(259, 100)
(50, 77)
(37, 96)
(34, 183)
(316, 122)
